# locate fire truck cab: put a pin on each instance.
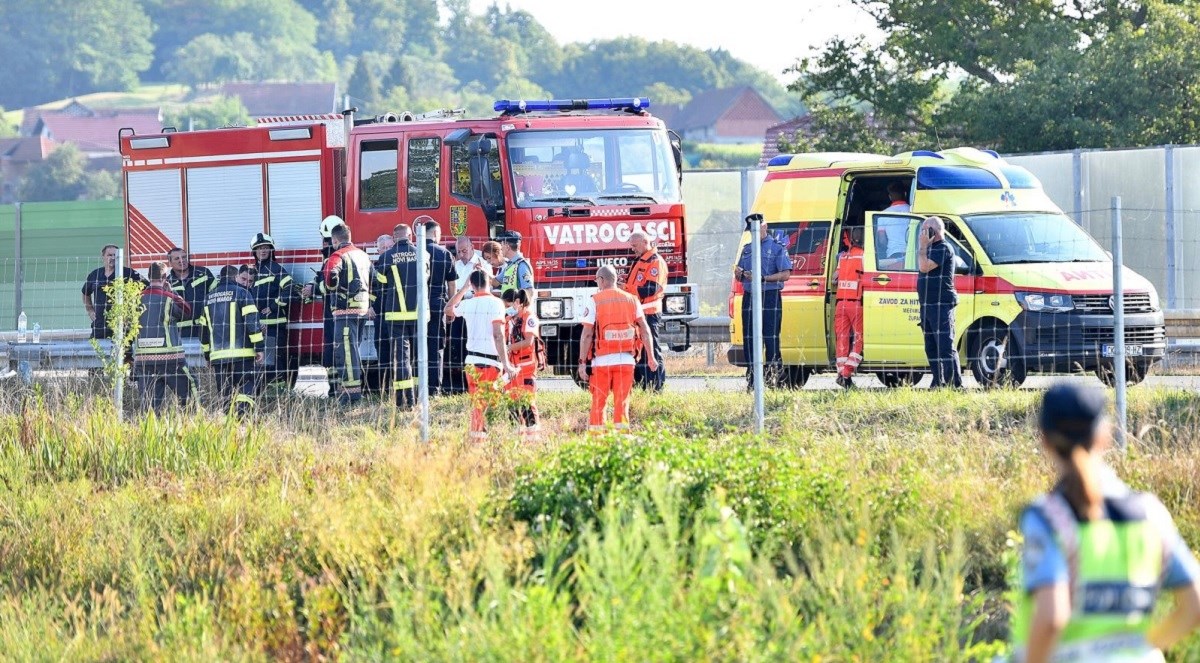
(574, 177)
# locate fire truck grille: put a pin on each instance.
(580, 265)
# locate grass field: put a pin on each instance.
(869, 526)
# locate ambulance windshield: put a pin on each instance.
(592, 167)
(1033, 237)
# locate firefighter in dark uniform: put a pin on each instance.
(158, 360)
(193, 284)
(777, 268)
(232, 340)
(346, 278)
(396, 296)
(274, 293)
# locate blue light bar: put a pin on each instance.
(781, 160)
(927, 153)
(542, 105)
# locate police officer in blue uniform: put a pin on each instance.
(935, 291)
(777, 268)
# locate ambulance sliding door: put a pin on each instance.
(803, 332)
(891, 312)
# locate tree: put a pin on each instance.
(64, 176)
(6, 129)
(364, 84)
(1036, 74)
(219, 112)
(845, 128)
(57, 48)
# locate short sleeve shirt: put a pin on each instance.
(93, 288)
(1043, 562)
(937, 286)
(774, 260)
(464, 269)
(480, 314)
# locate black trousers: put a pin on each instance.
(642, 375)
(396, 347)
(235, 384)
(328, 343)
(937, 325)
(277, 355)
(154, 378)
(437, 338)
(772, 325)
(454, 380)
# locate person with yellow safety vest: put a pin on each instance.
(523, 345)
(1097, 554)
(848, 314)
(396, 319)
(614, 330)
(346, 277)
(231, 338)
(274, 293)
(647, 282)
(516, 273)
(192, 283)
(158, 359)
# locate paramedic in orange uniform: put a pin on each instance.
(848, 316)
(648, 282)
(614, 329)
(522, 352)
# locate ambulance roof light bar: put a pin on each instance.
(514, 106)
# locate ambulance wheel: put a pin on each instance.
(795, 377)
(1135, 372)
(994, 359)
(895, 379)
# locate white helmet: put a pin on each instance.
(329, 223)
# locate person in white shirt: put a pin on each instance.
(892, 232)
(467, 260)
(487, 350)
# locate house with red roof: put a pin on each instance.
(93, 130)
(17, 156)
(727, 115)
(789, 131)
(275, 99)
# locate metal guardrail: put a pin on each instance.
(70, 350)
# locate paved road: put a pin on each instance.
(312, 382)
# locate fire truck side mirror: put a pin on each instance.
(677, 152)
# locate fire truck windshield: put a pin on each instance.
(592, 167)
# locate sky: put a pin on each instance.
(735, 25)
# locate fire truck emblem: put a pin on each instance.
(458, 220)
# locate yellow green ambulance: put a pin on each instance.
(1035, 290)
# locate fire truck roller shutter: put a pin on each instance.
(156, 214)
(294, 191)
(225, 206)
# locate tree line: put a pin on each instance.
(389, 54)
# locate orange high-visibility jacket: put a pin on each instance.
(648, 281)
(849, 274)
(616, 322)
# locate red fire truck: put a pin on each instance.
(574, 177)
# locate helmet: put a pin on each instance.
(261, 239)
(329, 223)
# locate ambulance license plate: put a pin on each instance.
(1110, 350)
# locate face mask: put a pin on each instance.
(511, 311)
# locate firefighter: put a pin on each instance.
(346, 278)
(441, 276)
(487, 351)
(396, 298)
(192, 283)
(95, 295)
(523, 351)
(158, 359)
(648, 281)
(326, 229)
(232, 340)
(274, 293)
(1096, 553)
(848, 315)
(614, 328)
